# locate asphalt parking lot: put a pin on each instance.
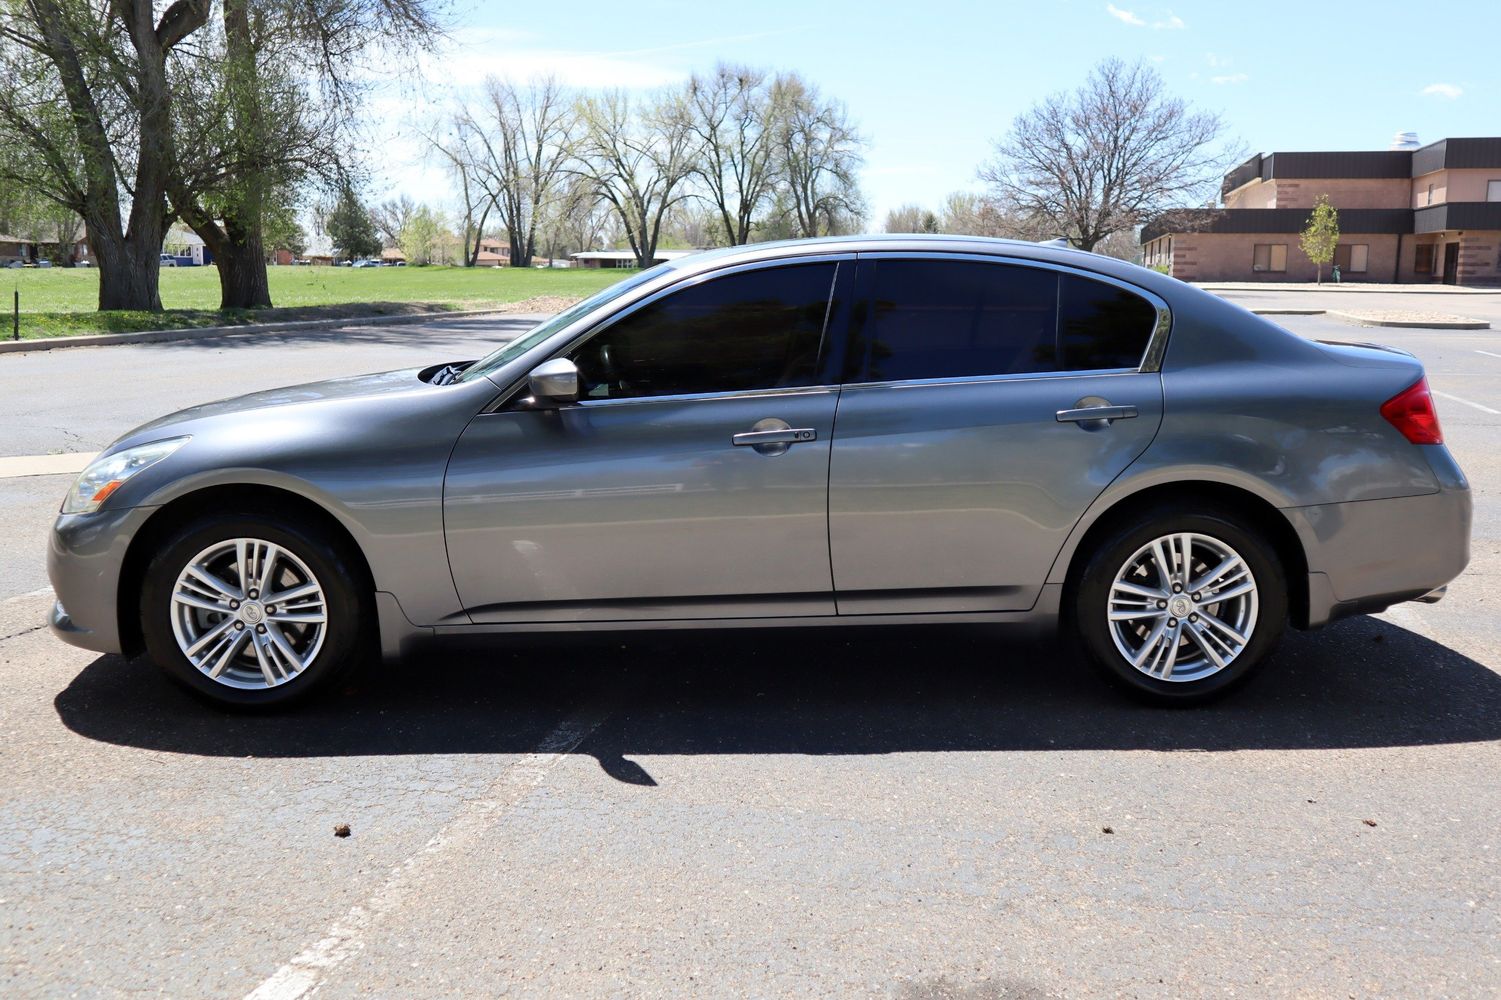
(906, 813)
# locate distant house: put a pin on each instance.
(493, 253)
(621, 258)
(188, 247)
(393, 255)
(26, 250)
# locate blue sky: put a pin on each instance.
(932, 83)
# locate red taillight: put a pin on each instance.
(1411, 412)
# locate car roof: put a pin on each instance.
(912, 243)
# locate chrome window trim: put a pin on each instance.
(693, 397)
(1151, 359)
(589, 326)
(919, 383)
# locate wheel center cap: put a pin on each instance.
(250, 613)
(1179, 606)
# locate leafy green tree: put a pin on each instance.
(423, 235)
(282, 230)
(1321, 235)
(349, 226)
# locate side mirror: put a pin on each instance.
(554, 382)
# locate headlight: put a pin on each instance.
(105, 475)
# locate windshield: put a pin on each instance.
(536, 335)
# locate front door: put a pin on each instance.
(1451, 263)
(995, 403)
(689, 481)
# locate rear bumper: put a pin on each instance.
(1367, 555)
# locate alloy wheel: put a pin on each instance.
(1183, 607)
(249, 614)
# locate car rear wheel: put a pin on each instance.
(252, 610)
(1182, 605)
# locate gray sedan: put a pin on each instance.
(839, 432)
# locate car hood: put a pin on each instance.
(317, 411)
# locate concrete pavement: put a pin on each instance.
(902, 813)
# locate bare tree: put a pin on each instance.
(517, 146)
(732, 112)
(638, 159)
(1107, 156)
(819, 153)
(391, 218)
(911, 219)
(966, 213)
(578, 219)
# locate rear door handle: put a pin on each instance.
(788, 435)
(1090, 413)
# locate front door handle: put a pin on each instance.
(772, 436)
(790, 435)
(1096, 413)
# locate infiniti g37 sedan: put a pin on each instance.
(834, 432)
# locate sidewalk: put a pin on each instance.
(1341, 289)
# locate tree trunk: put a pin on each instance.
(127, 274)
(242, 275)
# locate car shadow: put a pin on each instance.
(1360, 683)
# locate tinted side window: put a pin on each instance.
(946, 319)
(753, 330)
(1102, 326)
(954, 318)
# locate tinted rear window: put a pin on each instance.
(952, 319)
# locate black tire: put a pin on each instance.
(348, 605)
(1088, 604)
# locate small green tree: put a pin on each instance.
(422, 235)
(1321, 235)
(349, 226)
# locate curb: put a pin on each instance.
(205, 332)
(1350, 289)
(1467, 324)
(1289, 312)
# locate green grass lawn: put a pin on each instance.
(59, 301)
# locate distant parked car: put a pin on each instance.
(43, 262)
(15, 263)
(168, 260)
(366, 263)
(834, 432)
(82, 263)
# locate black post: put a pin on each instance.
(15, 328)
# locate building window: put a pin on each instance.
(1352, 258)
(1269, 257)
(1493, 191)
(1424, 262)
(1430, 194)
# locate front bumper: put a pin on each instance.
(85, 556)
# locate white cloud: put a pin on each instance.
(1158, 59)
(1217, 62)
(1169, 22)
(1230, 78)
(1448, 90)
(1123, 15)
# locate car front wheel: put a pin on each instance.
(1181, 606)
(252, 610)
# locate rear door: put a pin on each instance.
(986, 404)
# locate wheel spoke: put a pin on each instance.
(1126, 587)
(194, 601)
(265, 571)
(293, 594)
(1153, 638)
(1213, 622)
(1132, 614)
(1219, 575)
(209, 638)
(282, 646)
(298, 617)
(1164, 565)
(1245, 587)
(216, 586)
(266, 659)
(1196, 633)
(229, 653)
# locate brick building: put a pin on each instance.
(1430, 214)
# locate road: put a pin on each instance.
(903, 813)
